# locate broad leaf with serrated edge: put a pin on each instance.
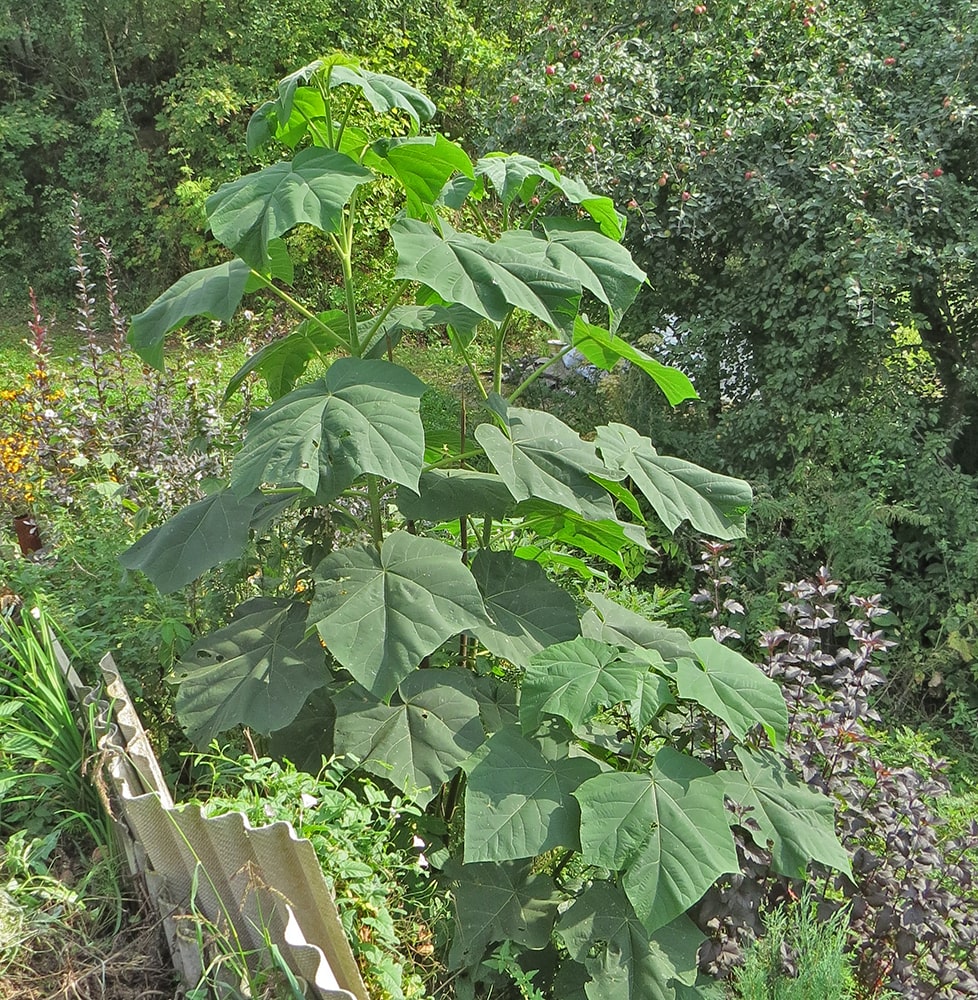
(526, 610)
(362, 417)
(602, 266)
(733, 689)
(499, 902)
(798, 820)
(197, 538)
(713, 504)
(666, 830)
(282, 362)
(574, 679)
(624, 961)
(619, 626)
(604, 350)
(488, 278)
(417, 741)
(213, 291)
(518, 802)
(246, 213)
(380, 613)
(543, 458)
(446, 494)
(256, 671)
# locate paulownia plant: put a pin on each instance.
(433, 651)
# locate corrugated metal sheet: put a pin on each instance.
(246, 882)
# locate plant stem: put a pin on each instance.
(497, 361)
(296, 305)
(385, 312)
(376, 520)
(533, 376)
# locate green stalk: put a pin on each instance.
(376, 520)
(392, 301)
(294, 304)
(533, 376)
(497, 361)
(452, 459)
(473, 371)
(346, 259)
(346, 118)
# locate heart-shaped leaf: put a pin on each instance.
(519, 802)
(602, 266)
(733, 689)
(380, 613)
(574, 679)
(490, 279)
(246, 213)
(624, 961)
(198, 537)
(363, 417)
(257, 671)
(677, 490)
(418, 741)
(543, 458)
(499, 902)
(665, 829)
(798, 820)
(604, 350)
(527, 611)
(214, 292)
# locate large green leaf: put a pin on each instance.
(665, 829)
(376, 339)
(214, 292)
(574, 679)
(509, 174)
(624, 961)
(713, 504)
(619, 626)
(246, 213)
(604, 350)
(423, 165)
(380, 613)
(418, 741)
(526, 610)
(602, 266)
(384, 93)
(256, 671)
(599, 207)
(447, 494)
(499, 902)
(733, 689)
(198, 537)
(617, 542)
(362, 417)
(797, 820)
(518, 802)
(491, 279)
(282, 362)
(541, 457)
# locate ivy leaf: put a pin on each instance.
(257, 671)
(282, 362)
(518, 802)
(447, 494)
(574, 679)
(624, 961)
(213, 291)
(246, 213)
(543, 458)
(381, 613)
(363, 417)
(499, 902)
(798, 821)
(198, 537)
(526, 610)
(418, 741)
(490, 279)
(733, 689)
(604, 350)
(665, 829)
(384, 93)
(601, 265)
(713, 504)
(619, 626)
(423, 165)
